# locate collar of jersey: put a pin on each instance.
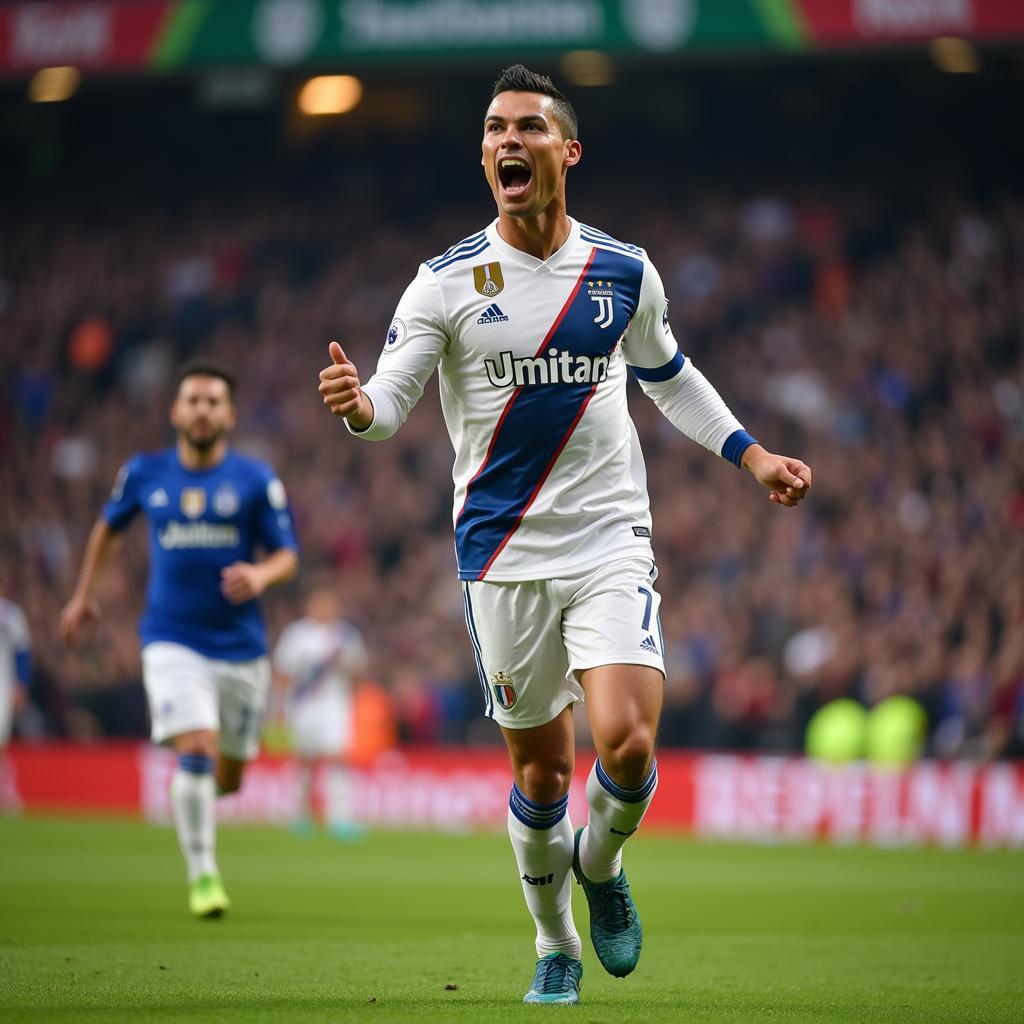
(528, 262)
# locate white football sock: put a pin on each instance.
(194, 804)
(542, 840)
(615, 814)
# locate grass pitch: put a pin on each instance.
(94, 927)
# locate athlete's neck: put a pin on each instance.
(192, 457)
(541, 236)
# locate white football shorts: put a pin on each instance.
(531, 639)
(321, 723)
(188, 691)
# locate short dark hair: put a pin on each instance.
(205, 368)
(517, 78)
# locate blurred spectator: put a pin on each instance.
(887, 353)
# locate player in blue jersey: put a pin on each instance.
(532, 324)
(204, 647)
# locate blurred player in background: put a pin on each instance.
(15, 672)
(204, 649)
(317, 659)
(533, 321)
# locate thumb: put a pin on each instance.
(338, 356)
(787, 476)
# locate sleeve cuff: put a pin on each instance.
(735, 445)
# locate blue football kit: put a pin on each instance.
(200, 522)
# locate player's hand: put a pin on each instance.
(241, 582)
(339, 383)
(787, 479)
(77, 612)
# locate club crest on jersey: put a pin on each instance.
(504, 691)
(601, 293)
(226, 501)
(488, 279)
(193, 501)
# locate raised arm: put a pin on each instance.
(412, 349)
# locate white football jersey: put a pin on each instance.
(549, 477)
(320, 658)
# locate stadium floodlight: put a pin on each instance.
(954, 55)
(330, 94)
(53, 85)
(587, 67)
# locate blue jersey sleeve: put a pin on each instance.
(274, 528)
(123, 502)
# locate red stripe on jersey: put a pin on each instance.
(511, 401)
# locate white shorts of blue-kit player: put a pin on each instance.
(188, 691)
(531, 639)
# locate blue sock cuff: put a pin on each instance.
(195, 764)
(540, 816)
(629, 796)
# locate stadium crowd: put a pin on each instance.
(882, 345)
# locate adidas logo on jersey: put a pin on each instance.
(492, 315)
(648, 644)
(159, 499)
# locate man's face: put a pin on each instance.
(203, 412)
(525, 156)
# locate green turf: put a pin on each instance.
(94, 927)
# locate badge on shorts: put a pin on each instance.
(504, 691)
(193, 501)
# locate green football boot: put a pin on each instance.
(614, 923)
(556, 980)
(207, 897)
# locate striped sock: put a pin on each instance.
(193, 803)
(542, 840)
(615, 814)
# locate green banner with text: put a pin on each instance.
(164, 35)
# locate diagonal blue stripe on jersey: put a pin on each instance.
(458, 257)
(538, 420)
(457, 247)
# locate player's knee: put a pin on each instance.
(629, 757)
(197, 745)
(545, 781)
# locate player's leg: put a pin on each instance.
(614, 640)
(183, 709)
(243, 689)
(10, 802)
(623, 709)
(523, 666)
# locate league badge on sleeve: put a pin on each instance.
(193, 501)
(397, 333)
(504, 691)
(488, 279)
(276, 495)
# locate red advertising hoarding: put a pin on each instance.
(712, 796)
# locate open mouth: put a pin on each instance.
(514, 175)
